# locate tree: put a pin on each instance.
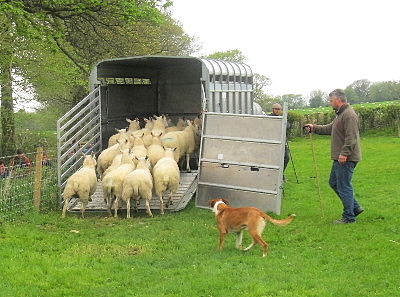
(230, 55)
(294, 101)
(80, 30)
(6, 110)
(260, 82)
(69, 83)
(358, 91)
(318, 98)
(384, 91)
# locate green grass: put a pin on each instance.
(176, 254)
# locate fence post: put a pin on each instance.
(38, 178)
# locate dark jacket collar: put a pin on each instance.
(342, 108)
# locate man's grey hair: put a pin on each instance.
(339, 94)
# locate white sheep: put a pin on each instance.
(115, 163)
(113, 181)
(138, 184)
(145, 133)
(82, 184)
(159, 124)
(184, 141)
(166, 177)
(113, 139)
(180, 125)
(138, 148)
(148, 124)
(155, 151)
(122, 133)
(107, 156)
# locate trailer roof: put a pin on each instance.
(110, 67)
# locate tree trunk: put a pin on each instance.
(6, 110)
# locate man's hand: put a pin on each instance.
(308, 127)
(342, 159)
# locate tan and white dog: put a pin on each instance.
(235, 220)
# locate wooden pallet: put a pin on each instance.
(187, 188)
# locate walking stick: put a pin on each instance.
(291, 160)
(321, 206)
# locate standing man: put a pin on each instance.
(277, 111)
(345, 153)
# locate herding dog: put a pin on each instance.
(234, 220)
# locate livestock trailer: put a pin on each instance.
(241, 149)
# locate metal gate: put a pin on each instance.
(241, 159)
(78, 131)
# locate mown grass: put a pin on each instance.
(176, 254)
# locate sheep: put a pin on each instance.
(166, 177)
(82, 184)
(138, 149)
(138, 184)
(148, 124)
(113, 139)
(113, 181)
(170, 140)
(133, 126)
(198, 120)
(159, 125)
(115, 163)
(145, 133)
(180, 125)
(107, 156)
(155, 151)
(183, 140)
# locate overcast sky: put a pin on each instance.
(301, 45)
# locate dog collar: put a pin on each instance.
(215, 208)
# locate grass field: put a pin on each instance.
(176, 254)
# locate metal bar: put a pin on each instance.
(237, 188)
(239, 163)
(241, 139)
(79, 104)
(78, 115)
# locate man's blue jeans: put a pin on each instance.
(340, 182)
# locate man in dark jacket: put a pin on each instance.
(277, 111)
(345, 153)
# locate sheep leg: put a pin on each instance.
(161, 203)
(65, 207)
(128, 208)
(170, 202)
(83, 207)
(187, 162)
(116, 205)
(148, 208)
(109, 203)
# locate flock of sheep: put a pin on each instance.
(137, 162)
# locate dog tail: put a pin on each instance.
(283, 222)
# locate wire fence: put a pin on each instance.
(28, 182)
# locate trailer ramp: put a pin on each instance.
(186, 190)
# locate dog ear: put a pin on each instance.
(225, 201)
(211, 202)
